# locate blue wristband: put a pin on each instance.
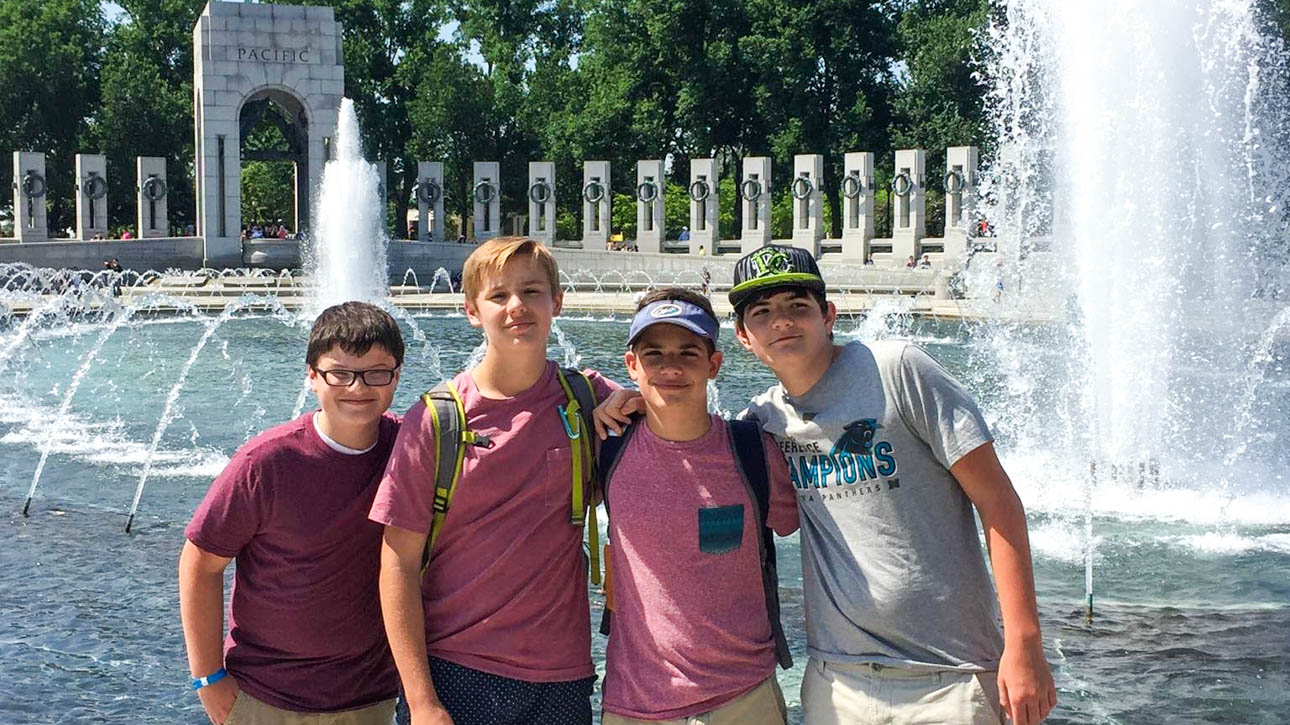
(212, 678)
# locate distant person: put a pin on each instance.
(684, 236)
(114, 284)
(706, 276)
(926, 263)
(282, 232)
(702, 250)
(305, 638)
(998, 281)
(125, 234)
(868, 260)
(912, 263)
(461, 238)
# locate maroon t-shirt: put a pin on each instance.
(305, 631)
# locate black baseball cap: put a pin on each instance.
(773, 267)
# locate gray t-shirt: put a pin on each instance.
(892, 566)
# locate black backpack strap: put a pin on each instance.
(750, 457)
(611, 452)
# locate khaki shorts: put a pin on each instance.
(854, 694)
(762, 705)
(249, 711)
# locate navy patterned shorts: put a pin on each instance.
(479, 698)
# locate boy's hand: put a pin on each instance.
(217, 699)
(1026, 688)
(615, 413)
(435, 715)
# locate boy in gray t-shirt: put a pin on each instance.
(889, 456)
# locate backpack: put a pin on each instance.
(745, 438)
(451, 436)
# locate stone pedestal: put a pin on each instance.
(908, 197)
(29, 187)
(808, 202)
(704, 233)
(153, 193)
(596, 209)
(960, 197)
(429, 194)
(486, 193)
(754, 195)
(541, 197)
(91, 196)
(248, 52)
(857, 205)
(650, 221)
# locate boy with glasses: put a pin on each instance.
(305, 642)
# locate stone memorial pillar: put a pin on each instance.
(650, 221)
(29, 189)
(808, 202)
(541, 195)
(960, 197)
(91, 196)
(487, 194)
(596, 209)
(857, 205)
(383, 193)
(154, 221)
(754, 194)
(908, 196)
(704, 233)
(429, 191)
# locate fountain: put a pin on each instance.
(1141, 178)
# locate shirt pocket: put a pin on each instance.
(721, 529)
(557, 483)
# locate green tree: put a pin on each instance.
(50, 54)
(268, 187)
(939, 102)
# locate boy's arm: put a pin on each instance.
(405, 623)
(615, 412)
(201, 609)
(1026, 688)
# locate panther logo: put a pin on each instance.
(857, 437)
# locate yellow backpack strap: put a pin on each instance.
(575, 416)
(448, 421)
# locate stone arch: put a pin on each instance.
(290, 112)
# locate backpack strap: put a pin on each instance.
(750, 456)
(448, 422)
(611, 452)
(575, 416)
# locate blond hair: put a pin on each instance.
(492, 256)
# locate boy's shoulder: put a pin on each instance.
(275, 441)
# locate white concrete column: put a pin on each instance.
(541, 196)
(908, 196)
(808, 202)
(29, 187)
(596, 209)
(960, 197)
(857, 205)
(429, 193)
(153, 219)
(91, 196)
(650, 222)
(487, 195)
(704, 233)
(754, 195)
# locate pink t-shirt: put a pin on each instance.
(506, 591)
(690, 630)
(305, 631)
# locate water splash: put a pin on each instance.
(347, 258)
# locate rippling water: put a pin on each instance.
(1193, 587)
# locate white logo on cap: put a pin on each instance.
(670, 309)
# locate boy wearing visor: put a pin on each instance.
(694, 632)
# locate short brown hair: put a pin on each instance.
(799, 292)
(680, 294)
(354, 327)
(492, 256)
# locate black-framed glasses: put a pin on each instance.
(375, 378)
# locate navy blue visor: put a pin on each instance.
(675, 312)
